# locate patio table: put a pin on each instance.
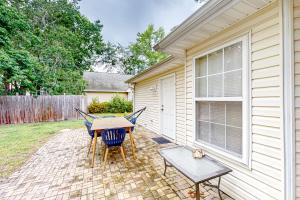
(101, 124)
(198, 170)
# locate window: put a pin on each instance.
(221, 99)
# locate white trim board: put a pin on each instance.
(288, 99)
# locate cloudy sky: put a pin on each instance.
(123, 19)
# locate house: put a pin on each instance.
(103, 86)
(231, 86)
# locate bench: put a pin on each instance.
(198, 170)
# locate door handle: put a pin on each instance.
(162, 108)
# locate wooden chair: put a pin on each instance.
(133, 118)
(88, 126)
(113, 138)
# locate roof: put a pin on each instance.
(211, 18)
(106, 82)
(163, 66)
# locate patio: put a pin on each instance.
(61, 170)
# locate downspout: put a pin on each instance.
(133, 98)
(288, 108)
(185, 95)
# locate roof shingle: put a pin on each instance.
(106, 82)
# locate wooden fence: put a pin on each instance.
(27, 109)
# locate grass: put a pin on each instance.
(19, 142)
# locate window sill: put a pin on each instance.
(218, 153)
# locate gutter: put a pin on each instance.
(202, 15)
(169, 58)
(115, 91)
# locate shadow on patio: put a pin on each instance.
(61, 170)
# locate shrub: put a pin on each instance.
(116, 105)
(97, 107)
(120, 105)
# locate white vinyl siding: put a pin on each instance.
(150, 119)
(297, 91)
(264, 179)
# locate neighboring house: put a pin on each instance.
(231, 86)
(103, 86)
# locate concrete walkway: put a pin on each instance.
(61, 170)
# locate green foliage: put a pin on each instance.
(116, 105)
(119, 105)
(138, 55)
(98, 107)
(45, 45)
(142, 50)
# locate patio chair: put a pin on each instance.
(133, 116)
(91, 133)
(84, 114)
(133, 119)
(113, 138)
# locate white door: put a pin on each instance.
(167, 107)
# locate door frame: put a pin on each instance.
(173, 76)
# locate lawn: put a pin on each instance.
(19, 142)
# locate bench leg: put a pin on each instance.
(165, 167)
(197, 191)
(219, 191)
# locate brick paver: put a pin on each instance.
(60, 170)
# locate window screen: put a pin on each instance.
(218, 76)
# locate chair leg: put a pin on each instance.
(90, 147)
(123, 155)
(104, 149)
(105, 158)
(124, 150)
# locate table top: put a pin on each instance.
(197, 170)
(111, 122)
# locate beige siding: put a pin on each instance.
(143, 96)
(103, 96)
(297, 91)
(264, 179)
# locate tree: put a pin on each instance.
(46, 45)
(68, 42)
(137, 56)
(17, 64)
(141, 52)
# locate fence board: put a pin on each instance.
(28, 109)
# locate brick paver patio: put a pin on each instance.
(61, 170)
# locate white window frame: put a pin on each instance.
(246, 103)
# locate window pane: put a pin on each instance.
(200, 67)
(233, 57)
(234, 140)
(202, 131)
(233, 84)
(215, 62)
(217, 135)
(217, 112)
(202, 111)
(201, 87)
(215, 86)
(234, 115)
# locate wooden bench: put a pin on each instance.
(198, 170)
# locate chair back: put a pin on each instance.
(88, 126)
(113, 137)
(134, 116)
(84, 114)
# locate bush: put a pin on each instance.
(116, 105)
(119, 105)
(97, 107)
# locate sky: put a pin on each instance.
(123, 19)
